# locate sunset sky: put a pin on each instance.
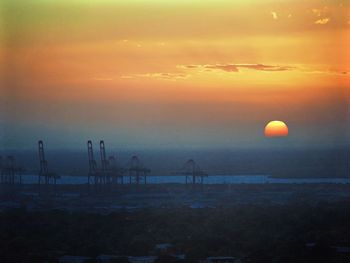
(184, 73)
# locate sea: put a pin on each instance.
(212, 179)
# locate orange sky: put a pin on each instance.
(156, 73)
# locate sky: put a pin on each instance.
(174, 74)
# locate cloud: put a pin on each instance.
(274, 15)
(321, 70)
(184, 70)
(329, 72)
(227, 67)
(322, 21)
(322, 14)
(265, 67)
(236, 67)
(157, 75)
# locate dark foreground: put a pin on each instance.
(254, 223)
(254, 233)
(113, 198)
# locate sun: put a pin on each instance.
(276, 129)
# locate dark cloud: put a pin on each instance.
(265, 67)
(227, 67)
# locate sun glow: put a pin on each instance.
(276, 129)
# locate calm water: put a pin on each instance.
(212, 179)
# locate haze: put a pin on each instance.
(152, 74)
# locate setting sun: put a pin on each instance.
(276, 129)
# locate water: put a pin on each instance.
(212, 179)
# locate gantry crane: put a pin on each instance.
(44, 175)
(11, 173)
(137, 171)
(193, 173)
(109, 173)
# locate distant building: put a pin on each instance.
(221, 260)
(111, 258)
(73, 259)
(130, 259)
(142, 259)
